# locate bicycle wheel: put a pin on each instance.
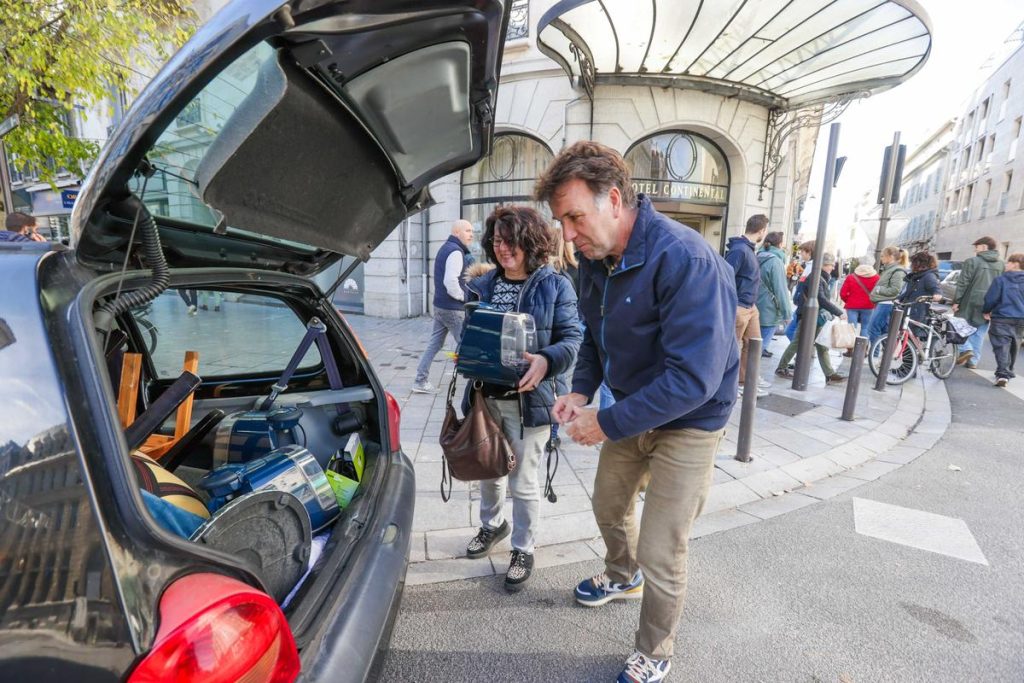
(904, 363)
(943, 356)
(149, 333)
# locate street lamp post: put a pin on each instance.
(809, 310)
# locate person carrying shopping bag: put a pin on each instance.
(773, 303)
(518, 242)
(828, 264)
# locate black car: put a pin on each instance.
(154, 373)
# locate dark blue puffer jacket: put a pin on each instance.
(550, 298)
(744, 264)
(1005, 296)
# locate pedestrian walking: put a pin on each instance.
(450, 263)
(742, 256)
(976, 275)
(885, 291)
(1003, 308)
(856, 295)
(807, 260)
(828, 264)
(774, 306)
(517, 241)
(922, 281)
(660, 309)
(191, 298)
(20, 227)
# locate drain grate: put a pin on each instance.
(785, 405)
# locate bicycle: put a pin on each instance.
(149, 331)
(935, 351)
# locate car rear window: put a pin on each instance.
(234, 334)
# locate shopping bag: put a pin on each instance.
(825, 334)
(844, 335)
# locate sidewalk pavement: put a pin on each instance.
(802, 453)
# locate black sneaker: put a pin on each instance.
(485, 539)
(519, 570)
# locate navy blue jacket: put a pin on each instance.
(921, 283)
(744, 263)
(661, 331)
(824, 302)
(1005, 296)
(441, 297)
(550, 298)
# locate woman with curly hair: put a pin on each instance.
(517, 240)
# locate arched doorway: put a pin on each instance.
(506, 176)
(687, 177)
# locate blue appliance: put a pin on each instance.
(291, 469)
(254, 433)
(493, 344)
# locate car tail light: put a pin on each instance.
(214, 629)
(394, 422)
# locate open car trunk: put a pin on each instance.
(234, 339)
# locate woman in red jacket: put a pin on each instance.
(855, 294)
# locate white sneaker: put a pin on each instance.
(192, 310)
(762, 383)
(423, 388)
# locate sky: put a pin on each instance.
(964, 35)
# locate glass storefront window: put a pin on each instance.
(679, 167)
(506, 176)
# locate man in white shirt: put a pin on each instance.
(449, 265)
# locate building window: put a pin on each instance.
(1005, 102)
(983, 116)
(1012, 154)
(991, 150)
(518, 20)
(1004, 198)
(965, 209)
(984, 199)
(506, 176)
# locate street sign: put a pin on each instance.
(68, 197)
(8, 124)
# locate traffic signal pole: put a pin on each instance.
(887, 190)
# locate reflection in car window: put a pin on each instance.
(234, 334)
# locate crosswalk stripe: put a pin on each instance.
(1015, 386)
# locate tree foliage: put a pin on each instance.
(59, 56)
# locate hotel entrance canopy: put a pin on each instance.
(784, 54)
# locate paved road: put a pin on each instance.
(801, 597)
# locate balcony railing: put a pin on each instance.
(519, 20)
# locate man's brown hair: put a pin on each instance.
(599, 166)
(1017, 258)
(756, 223)
(987, 241)
(808, 246)
(18, 221)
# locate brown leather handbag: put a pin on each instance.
(474, 448)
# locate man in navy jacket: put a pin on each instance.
(1004, 309)
(660, 312)
(741, 256)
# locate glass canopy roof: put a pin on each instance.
(781, 53)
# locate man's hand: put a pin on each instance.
(956, 308)
(535, 373)
(987, 316)
(584, 428)
(936, 297)
(36, 237)
(564, 405)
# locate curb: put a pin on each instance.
(920, 419)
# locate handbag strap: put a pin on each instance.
(857, 280)
(553, 449)
(446, 472)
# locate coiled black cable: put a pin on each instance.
(153, 255)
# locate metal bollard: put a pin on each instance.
(752, 372)
(860, 350)
(895, 323)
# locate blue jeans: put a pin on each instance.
(767, 332)
(445, 321)
(860, 317)
(975, 342)
(791, 328)
(878, 324)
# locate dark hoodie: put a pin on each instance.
(748, 273)
(918, 284)
(1005, 298)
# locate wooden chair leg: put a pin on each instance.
(128, 391)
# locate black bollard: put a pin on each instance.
(751, 374)
(895, 323)
(860, 350)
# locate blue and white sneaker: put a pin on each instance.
(600, 589)
(642, 669)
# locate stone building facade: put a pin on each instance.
(985, 180)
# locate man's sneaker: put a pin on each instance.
(642, 669)
(784, 372)
(1002, 382)
(762, 383)
(765, 353)
(971, 365)
(835, 378)
(519, 569)
(761, 393)
(423, 388)
(192, 310)
(485, 539)
(600, 590)
(964, 357)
